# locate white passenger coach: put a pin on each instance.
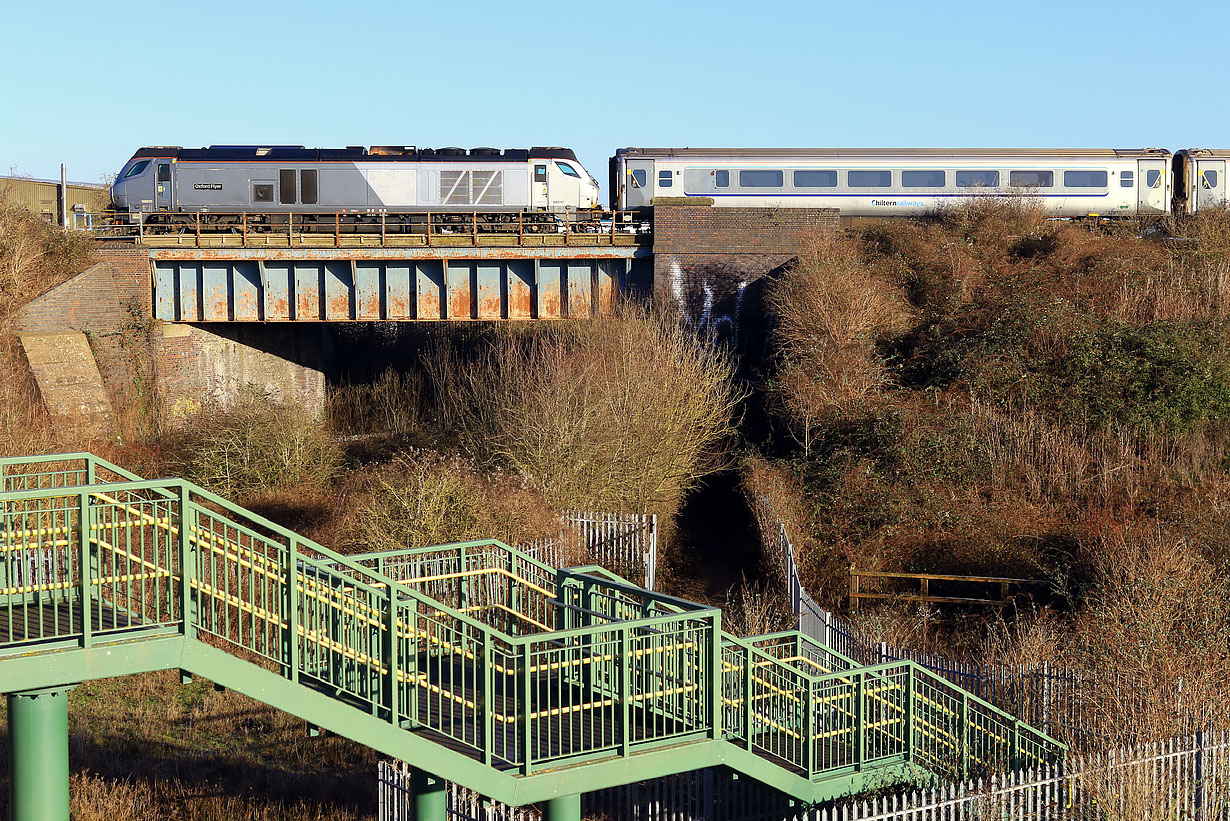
(874, 182)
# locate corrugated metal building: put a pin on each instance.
(42, 196)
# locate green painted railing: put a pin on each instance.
(524, 666)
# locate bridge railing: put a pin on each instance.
(429, 229)
(522, 665)
(135, 557)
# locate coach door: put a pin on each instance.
(1152, 190)
(1210, 184)
(638, 184)
(164, 198)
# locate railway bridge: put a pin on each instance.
(473, 662)
(207, 310)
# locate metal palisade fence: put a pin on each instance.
(1180, 778)
(625, 543)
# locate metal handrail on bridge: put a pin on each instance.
(428, 229)
(520, 666)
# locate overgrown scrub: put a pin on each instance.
(35, 255)
(256, 446)
(426, 498)
(1156, 615)
(622, 413)
(391, 405)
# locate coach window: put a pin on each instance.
(164, 172)
(1126, 179)
(1031, 179)
(760, 178)
(1153, 178)
(567, 169)
(923, 179)
(1209, 179)
(721, 179)
(639, 178)
(815, 179)
(308, 186)
(665, 179)
(869, 179)
(137, 169)
(1084, 179)
(977, 179)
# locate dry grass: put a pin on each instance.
(391, 406)
(148, 747)
(756, 608)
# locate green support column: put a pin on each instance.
(565, 808)
(430, 798)
(38, 755)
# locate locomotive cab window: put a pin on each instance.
(1031, 179)
(540, 173)
(262, 192)
(1127, 179)
(567, 169)
(664, 179)
(137, 169)
(977, 179)
(164, 172)
(1084, 179)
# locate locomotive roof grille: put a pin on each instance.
(299, 154)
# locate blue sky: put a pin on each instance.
(596, 76)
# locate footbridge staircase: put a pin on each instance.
(473, 662)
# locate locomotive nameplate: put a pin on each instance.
(207, 186)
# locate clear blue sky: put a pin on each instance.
(595, 76)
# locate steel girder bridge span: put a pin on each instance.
(473, 662)
(388, 284)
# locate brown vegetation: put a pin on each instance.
(1058, 405)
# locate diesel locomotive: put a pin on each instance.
(225, 180)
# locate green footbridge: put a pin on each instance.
(473, 662)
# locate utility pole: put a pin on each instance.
(63, 196)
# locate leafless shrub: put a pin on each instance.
(618, 413)
(257, 446)
(831, 310)
(425, 499)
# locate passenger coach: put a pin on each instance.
(872, 182)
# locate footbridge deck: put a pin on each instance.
(473, 662)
